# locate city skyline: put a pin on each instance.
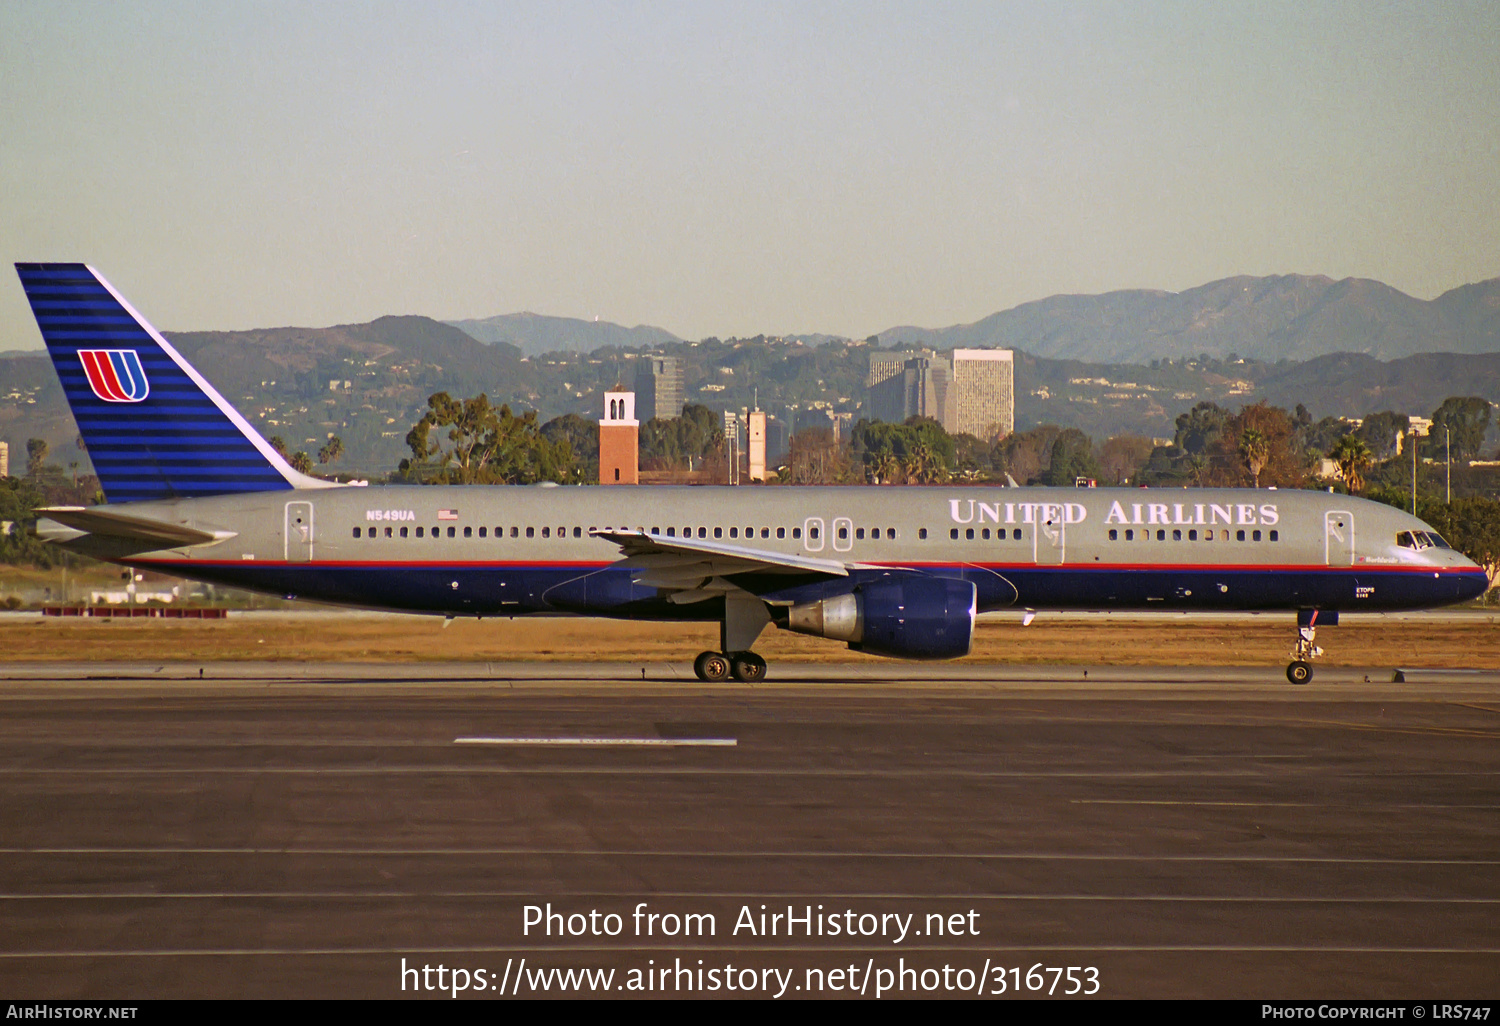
(738, 169)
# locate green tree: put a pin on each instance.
(36, 456)
(301, 462)
(1072, 457)
(1352, 456)
(1467, 419)
(332, 451)
(1255, 449)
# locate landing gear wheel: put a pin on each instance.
(748, 667)
(1299, 672)
(711, 666)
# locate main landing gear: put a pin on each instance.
(742, 666)
(745, 616)
(1300, 670)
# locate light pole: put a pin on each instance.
(1448, 453)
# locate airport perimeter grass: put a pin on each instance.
(1265, 640)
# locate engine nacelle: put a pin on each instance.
(908, 617)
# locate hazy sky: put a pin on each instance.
(731, 169)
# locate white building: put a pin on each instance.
(982, 393)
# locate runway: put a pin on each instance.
(277, 830)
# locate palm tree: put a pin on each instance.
(1256, 449)
(1352, 456)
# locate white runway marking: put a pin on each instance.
(668, 742)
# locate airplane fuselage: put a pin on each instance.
(488, 551)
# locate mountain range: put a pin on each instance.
(1285, 317)
(1280, 317)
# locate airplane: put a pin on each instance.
(193, 490)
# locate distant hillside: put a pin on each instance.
(535, 334)
(1290, 317)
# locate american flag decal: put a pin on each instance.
(447, 514)
(115, 375)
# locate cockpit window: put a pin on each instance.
(1421, 540)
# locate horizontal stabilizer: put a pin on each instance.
(117, 525)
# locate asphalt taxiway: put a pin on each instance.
(275, 830)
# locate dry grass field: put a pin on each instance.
(1169, 641)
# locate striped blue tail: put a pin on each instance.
(155, 429)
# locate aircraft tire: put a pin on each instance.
(748, 667)
(1299, 672)
(711, 666)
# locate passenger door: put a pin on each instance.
(1338, 538)
(298, 538)
(1050, 537)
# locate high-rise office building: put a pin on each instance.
(910, 384)
(658, 386)
(982, 394)
(4, 459)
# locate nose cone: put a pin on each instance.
(1472, 584)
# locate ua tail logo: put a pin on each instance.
(115, 375)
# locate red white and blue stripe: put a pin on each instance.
(115, 375)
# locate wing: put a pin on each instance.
(698, 569)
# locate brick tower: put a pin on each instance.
(619, 440)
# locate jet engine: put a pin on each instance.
(908, 617)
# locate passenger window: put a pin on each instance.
(702, 532)
(403, 531)
(796, 532)
(356, 532)
(468, 532)
(1129, 534)
(1275, 536)
(1161, 535)
(1016, 534)
(671, 532)
(969, 533)
(890, 534)
(843, 534)
(530, 532)
(453, 533)
(1177, 535)
(953, 533)
(734, 532)
(419, 532)
(812, 533)
(718, 532)
(1114, 535)
(765, 532)
(578, 532)
(546, 532)
(387, 532)
(922, 534)
(515, 532)
(1239, 536)
(859, 533)
(1192, 536)
(1255, 536)
(749, 532)
(482, 533)
(985, 534)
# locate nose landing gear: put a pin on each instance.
(1300, 670)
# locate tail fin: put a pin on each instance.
(155, 429)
